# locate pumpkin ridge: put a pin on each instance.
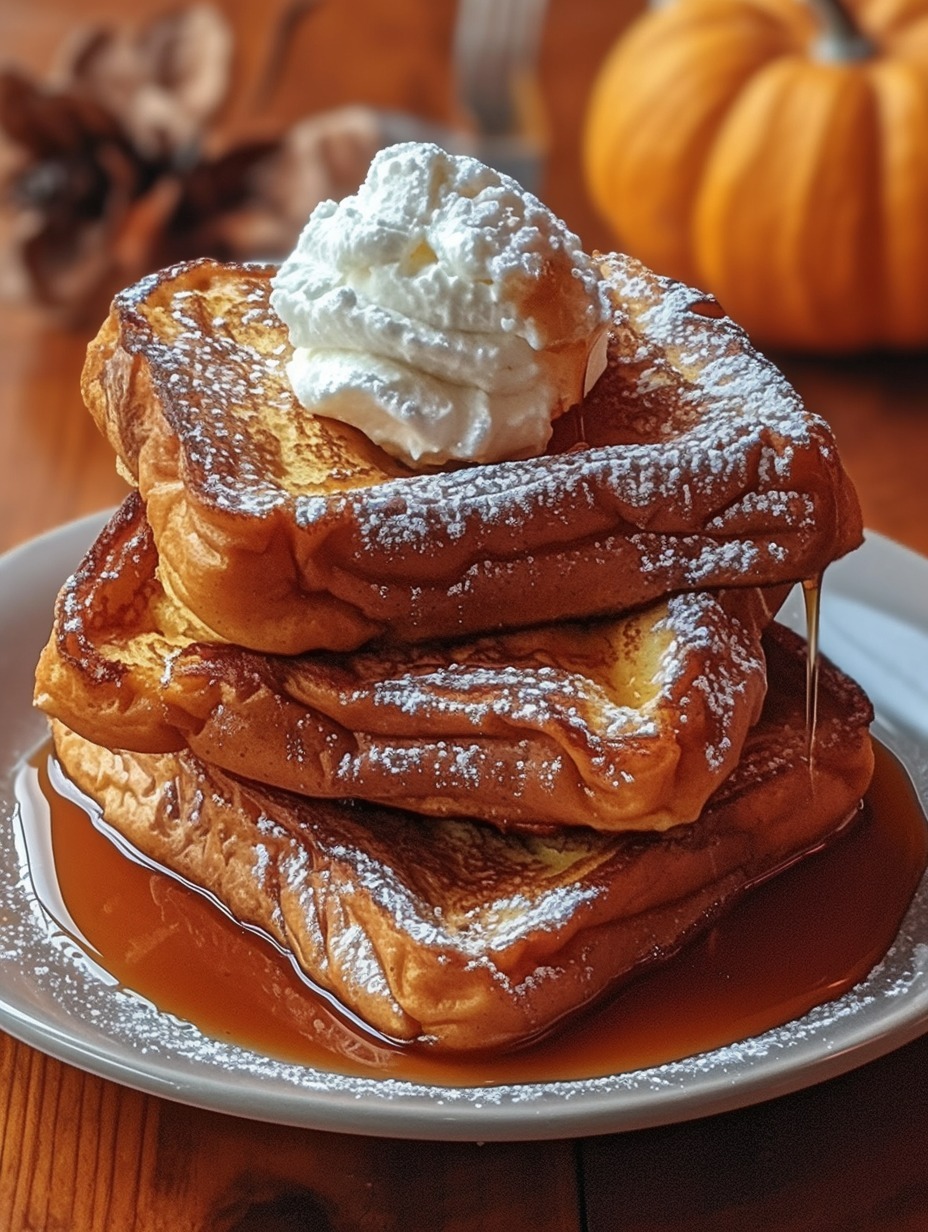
(842, 234)
(901, 93)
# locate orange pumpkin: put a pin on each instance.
(776, 154)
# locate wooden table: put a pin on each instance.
(78, 1153)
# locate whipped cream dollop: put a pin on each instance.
(442, 310)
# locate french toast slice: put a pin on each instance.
(691, 465)
(619, 723)
(455, 934)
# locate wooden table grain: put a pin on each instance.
(80, 1154)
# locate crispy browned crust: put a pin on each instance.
(456, 934)
(621, 723)
(691, 465)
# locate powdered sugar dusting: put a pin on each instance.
(690, 433)
(710, 416)
(71, 1009)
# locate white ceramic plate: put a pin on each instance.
(875, 624)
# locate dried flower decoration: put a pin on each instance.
(117, 167)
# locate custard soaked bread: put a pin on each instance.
(621, 723)
(455, 934)
(690, 465)
(436, 640)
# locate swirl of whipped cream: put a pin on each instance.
(442, 310)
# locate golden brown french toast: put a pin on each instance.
(455, 934)
(691, 465)
(619, 723)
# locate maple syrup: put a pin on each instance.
(797, 941)
(812, 599)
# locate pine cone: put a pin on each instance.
(98, 162)
(116, 170)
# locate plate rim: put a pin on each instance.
(520, 1111)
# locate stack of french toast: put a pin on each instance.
(476, 743)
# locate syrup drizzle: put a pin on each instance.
(802, 939)
(812, 596)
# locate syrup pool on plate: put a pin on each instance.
(798, 940)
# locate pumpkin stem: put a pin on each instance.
(840, 39)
